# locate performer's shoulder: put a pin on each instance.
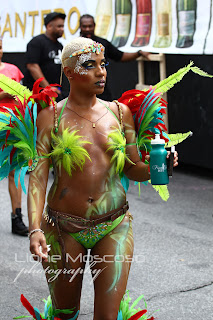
(46, 116)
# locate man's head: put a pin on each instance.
(87, 26)
(54, 23)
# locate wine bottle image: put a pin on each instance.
(123, 13)
(207, 47)
(164, 24)
(143, 23)
(186, 22)
(103, 18)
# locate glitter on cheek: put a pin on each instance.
(81, 59)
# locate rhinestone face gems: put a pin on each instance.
(81, 59)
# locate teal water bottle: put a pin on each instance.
(158, 162)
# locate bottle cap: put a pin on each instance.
(157, 139)
(172, 149)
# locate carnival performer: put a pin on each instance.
(90, 141)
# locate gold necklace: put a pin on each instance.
(93, 122)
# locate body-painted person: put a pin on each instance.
(90, 142)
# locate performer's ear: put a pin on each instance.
(68, 73)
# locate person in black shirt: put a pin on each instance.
(43, 56)
(87, 28)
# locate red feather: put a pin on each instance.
(133, 99)
(12, 154)
(28, 306)
(138, 315)
(36, 88)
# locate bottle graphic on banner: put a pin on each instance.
(123, 13)
(208, 45)
(103, 18)
(143, 23)
(186, 22)
(164, 24)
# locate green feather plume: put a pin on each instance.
(177, 138)
(68, 150)
(166, 84)
(117, 143)
(14, 88)
(128, 311)
(201, 72)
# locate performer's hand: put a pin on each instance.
(4, 95)
(57, 90)
(147, 157)
(145, 54)
(175, 162)
(38, 247)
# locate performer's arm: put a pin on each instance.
(38, 184)
(140, 171)
(37, 73)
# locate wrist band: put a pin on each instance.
(33, 231)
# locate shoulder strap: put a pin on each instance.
(56, 118)
(120, 112)
(109, 110)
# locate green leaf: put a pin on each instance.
(14, 88)
(136, 302)
(177, 138)
(166, 84)
(163, 191)
(201, 72)
(22, 317)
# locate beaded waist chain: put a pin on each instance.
(75, 224)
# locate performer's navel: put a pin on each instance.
(90, 200)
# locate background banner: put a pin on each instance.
(168, 26)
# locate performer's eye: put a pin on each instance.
(88, 65)
(104, 64)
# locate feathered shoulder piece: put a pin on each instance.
(18, 131)
(148, 108)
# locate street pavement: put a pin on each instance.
(172, 265)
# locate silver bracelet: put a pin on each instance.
(33, 231)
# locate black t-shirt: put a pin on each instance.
(112, 53)
(47, 54)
